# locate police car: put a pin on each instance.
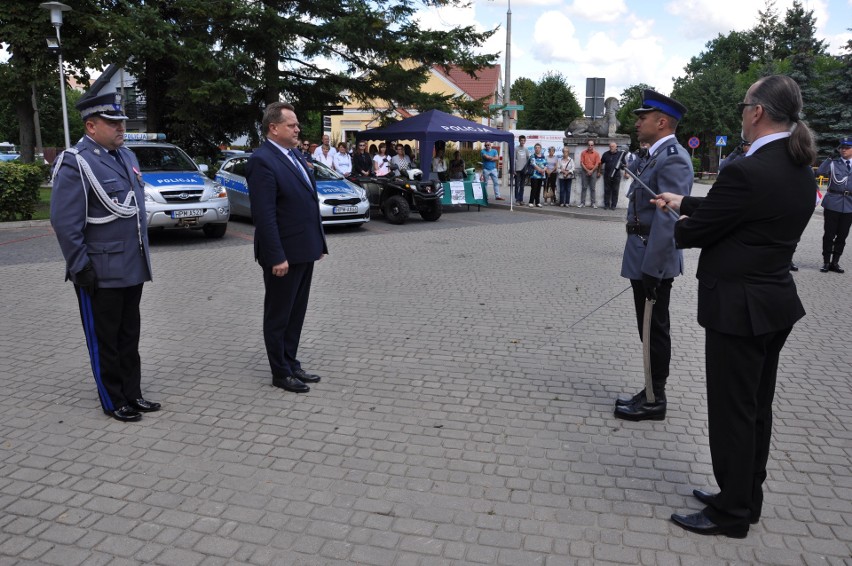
(342, 202)
(178, 194)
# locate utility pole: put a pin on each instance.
(507, 93)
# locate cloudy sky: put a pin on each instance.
(624, 41)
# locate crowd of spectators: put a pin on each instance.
(549, 174)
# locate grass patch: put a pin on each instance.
(42, 211)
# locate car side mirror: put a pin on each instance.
(203, 168)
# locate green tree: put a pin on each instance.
(198, 87)
(737, 51)
(553, 104)
(209, 68)
(23, 25)
(522, 91)
(711, 99)
(796, 35)
(765, 33)
(798, 44)
(831, 117)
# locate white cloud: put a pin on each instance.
(705, 19)
(597, 11)
(523, 4)
(554, 37)
(447, 17)
(623, 60)
(837, 43)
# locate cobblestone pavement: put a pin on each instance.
(464, 417)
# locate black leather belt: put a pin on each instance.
(844, 193)
(638, 229)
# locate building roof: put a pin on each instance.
(101, 81)
(483, 84)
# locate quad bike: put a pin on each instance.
(402, 192)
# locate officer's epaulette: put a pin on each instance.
(672, 150)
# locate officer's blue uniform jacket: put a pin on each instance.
(839, 180)
(118, 257)
(669, 169)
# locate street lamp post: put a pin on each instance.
(56, 9)
(507, 179)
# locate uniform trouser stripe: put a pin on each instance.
(92, 346)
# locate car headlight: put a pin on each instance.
(149, 197)
(217, 190)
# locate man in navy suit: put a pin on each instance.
(651, 261)
(747, 227)
(97, 209)
(288, 239)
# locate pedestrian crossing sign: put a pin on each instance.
(721, 141)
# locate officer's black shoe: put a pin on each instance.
(125, 414)
(707, 498)
(144, 406)
(290, 383)
(835, 268)
(642, 411)
(701, 524)
(638, 398)
(824, 268)
(306, 377)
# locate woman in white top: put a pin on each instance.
(550, 182)
(381, 161)
(565, 168)
(439, 166)
(325, 155)
(342, 160)
(400, 162)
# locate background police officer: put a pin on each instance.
(650, 260)
(837, 203)
(97, 210)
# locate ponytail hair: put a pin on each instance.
(781, 98)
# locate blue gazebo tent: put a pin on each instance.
(434, 125)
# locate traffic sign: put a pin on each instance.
(505, 106)
(693, 142)
(721, 141)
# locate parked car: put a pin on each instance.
(223, 155)
(341, 201)
(9, 156)
(178, 194)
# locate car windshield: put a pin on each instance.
(158, 158)
(324, 173)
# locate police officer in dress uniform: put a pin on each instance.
(651, 261)
(97, 210)
(837, 203)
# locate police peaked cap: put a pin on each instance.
(846, 141)
(654, 101)
(104, 105)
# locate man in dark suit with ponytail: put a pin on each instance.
(747, 228)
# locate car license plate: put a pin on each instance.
(190, 213)
(344, 210)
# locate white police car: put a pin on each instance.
(342, 202)
(177, 192)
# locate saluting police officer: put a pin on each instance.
(650, 260)
(837, 203)
(97, 209)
